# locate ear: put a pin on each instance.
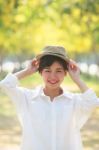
(65, 73)
(40, 73)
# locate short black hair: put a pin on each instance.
(48, 60)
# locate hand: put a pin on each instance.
(33, 66)
(74, 70)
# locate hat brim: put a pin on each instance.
(62, 57)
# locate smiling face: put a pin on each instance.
(53, 75)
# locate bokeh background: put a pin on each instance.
(26, 26)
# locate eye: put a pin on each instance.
(59, 71)
(46, 70)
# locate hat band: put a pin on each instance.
(56, 54)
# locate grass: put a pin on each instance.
(10, 130)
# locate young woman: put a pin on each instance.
(51, 118)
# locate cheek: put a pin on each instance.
(44, 76)
(61, 75)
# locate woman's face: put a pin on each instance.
(53, 75)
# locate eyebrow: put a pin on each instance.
(56, 68)
(59, 68)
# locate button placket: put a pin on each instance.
(53, 114)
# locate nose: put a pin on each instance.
(53, 75)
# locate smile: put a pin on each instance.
(53, 82)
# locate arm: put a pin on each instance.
(10, 84)
(32, 68)
(74, 73)
(84, 103)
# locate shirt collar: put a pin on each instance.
(39, 92)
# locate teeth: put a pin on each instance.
(53, 82)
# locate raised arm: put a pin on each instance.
(84, 102)
(31, 68)
(74, 73)
(11, 87)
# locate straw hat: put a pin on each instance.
(58, 51)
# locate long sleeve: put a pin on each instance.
(84, 105)
(10, 85)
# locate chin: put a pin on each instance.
(53, 86)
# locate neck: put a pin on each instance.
(52, 92)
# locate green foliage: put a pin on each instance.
(27, 25)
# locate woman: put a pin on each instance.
(51, 118)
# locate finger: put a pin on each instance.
(73, 64)
(34, 61)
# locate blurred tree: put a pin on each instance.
(27, 25)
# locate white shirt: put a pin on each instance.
(50, 125)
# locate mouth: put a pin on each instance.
(53, 82)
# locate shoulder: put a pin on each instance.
(31, 92)
(68, 94)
